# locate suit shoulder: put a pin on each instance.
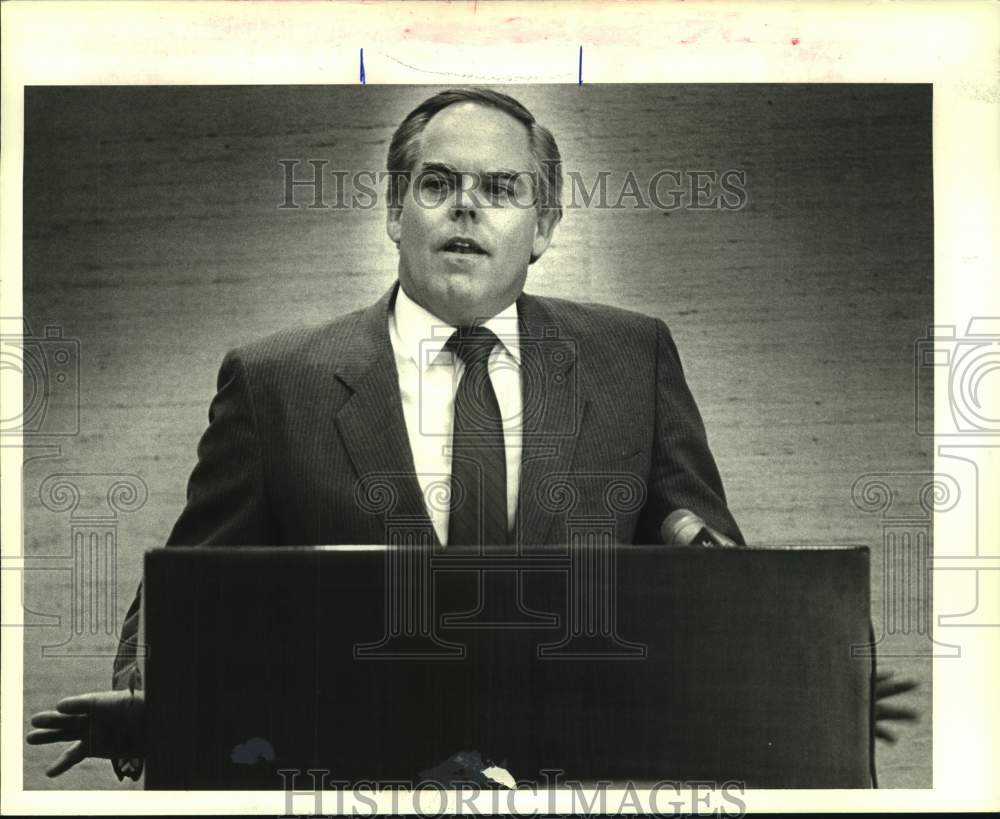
(586, 318)
(297, 346)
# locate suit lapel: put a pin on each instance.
(553, 411)
(373, 429)
(371, 422)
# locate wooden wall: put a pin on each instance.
(152, 235)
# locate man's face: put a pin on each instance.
(468, 228)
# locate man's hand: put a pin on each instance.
(106, 724)
(886, 687)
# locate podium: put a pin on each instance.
(634, 664)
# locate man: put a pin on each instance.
(527, 411)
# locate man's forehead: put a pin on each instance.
(471, 137)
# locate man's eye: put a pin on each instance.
(433, 183)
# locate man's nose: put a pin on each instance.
(464, 208)
(465, 204)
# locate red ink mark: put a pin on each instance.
(520, 31)
(795, 40)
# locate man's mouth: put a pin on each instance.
(462, 244)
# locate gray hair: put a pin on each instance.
(544, 150)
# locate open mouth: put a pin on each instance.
(462, 244)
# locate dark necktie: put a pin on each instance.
(478, 514)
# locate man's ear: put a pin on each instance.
(392, 225)
(545, 227)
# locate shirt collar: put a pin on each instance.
(423, 335)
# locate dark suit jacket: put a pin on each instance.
(307, 444)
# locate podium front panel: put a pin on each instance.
(634, 664)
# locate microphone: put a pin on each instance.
(682, 527)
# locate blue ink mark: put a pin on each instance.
(362, 66)
(255, 751)
(579, 80)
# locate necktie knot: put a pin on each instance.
(472, 344)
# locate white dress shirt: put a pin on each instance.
(428, 379)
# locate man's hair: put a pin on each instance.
(544, 150)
